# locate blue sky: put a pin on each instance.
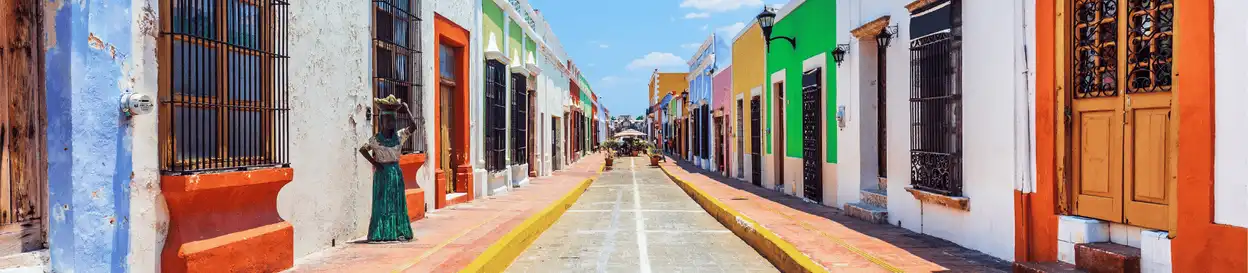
(618, 43)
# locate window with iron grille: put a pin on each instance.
(936, 99)
(495, 115)
(396, 64)
(223, 86)
(519, 116)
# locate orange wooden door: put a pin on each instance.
(1123, 136)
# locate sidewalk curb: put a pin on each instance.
(779, 252)
(503, 252)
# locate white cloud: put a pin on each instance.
(731, 30)
(697, 15)
(704, 27)
(690, 46)
(603, 45)
(656, 60)
(720, 5)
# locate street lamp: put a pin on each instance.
(838, 55)
(886, 36)
(766, 20)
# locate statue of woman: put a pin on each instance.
(389, 222)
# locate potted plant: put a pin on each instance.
(610, 146)
(654, 155)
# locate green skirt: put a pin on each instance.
(389, 221)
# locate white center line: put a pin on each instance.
(643, 253)
(629, 210)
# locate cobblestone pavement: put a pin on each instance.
(635, 219)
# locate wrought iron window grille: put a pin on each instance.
(397, 65)
(224, 90)
(936, 105)
(495, 116)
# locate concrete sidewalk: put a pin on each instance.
(447, 240)
(832, 239)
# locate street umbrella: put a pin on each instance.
(629, 133)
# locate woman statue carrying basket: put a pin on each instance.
(389, 222)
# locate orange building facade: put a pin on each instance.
(1128, 145)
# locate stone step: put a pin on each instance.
(1044, 267)
(1107, 257)
(876, 198)
(867, 212)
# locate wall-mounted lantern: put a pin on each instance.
(766, 20)
(886, 36)
(838, 54)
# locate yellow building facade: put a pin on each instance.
(748, 76)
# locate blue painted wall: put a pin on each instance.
(89, 158)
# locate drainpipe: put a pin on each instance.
(1022, 124)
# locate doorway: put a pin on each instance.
(454, 171)
(756, 141)
(881, 116)
(23, 163)
(719, 154)
(740, 139)
(777, 132)
(812, 135)
(555, 156)
(1122, 140)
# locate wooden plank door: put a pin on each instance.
(1123, 134)
(23, 165)
(1097, 110)
(1150, 136)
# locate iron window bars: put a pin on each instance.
(396, 61)
(495, 115)
(224, 97)
(519, 118)
(935, 99)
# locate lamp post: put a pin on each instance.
(767, 20)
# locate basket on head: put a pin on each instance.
(389, 103)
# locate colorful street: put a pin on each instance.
(804, 136)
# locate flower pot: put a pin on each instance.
(610, 161)
(654, 160)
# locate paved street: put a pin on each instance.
(635, 219)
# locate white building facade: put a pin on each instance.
(962, 71)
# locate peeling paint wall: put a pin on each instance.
(330, 199)
(148, 211)
(89, 153)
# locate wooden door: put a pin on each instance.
(777, 129)
(1123, 135)
(812, 135)
(756, 141)
(23, 165)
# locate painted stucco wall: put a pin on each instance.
(1231, 90)
(492, 33)
(148, 212)
(722, 86)
(993, 83)
(749, 72)
(88, 66)
(668, 83)
(329, 201)
(808, 21)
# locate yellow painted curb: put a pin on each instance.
(780, 252)
(503, 252)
